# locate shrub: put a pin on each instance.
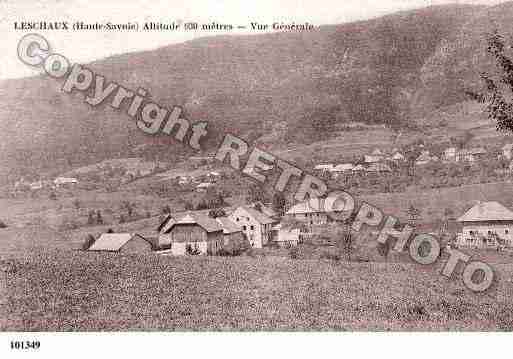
(294, 253)
(88, 242)
(69, 224)
(192, 251)
(330, 256)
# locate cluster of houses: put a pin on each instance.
(22, 184)
(374, 162)
(196, 232)
(378, 161)
(484, 225)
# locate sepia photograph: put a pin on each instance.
(232, 168)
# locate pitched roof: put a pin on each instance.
(472, 151)
(423, 157)
(316, 205)
(201, 219)
(343, 167)
(487, 211)
(268, 211)
(112, 242)
(372, 158)
(324, 167)
(228, 225)
(256, 214)
(379, 167)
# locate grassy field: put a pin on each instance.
(47, 284)
(70, 290)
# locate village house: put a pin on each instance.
(284, 236)
(315, 211)
(34, 186)
(379, 168)
(449, 154)
(192, 233)
(486, 224)
(374, 157)
(265, 209)
(470, 155)
(341, 168)
(202, 187)
(255, 225)
(358, 168)
(324, 167)
(397, 157)
(121, 243)
(423, 159)
(200, 160)
(507, 151)
(63, 181)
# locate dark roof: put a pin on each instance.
(200, 218)
(259, 216)
(228, 225)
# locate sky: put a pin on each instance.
(91, 45)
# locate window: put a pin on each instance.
(243, 228)
(506, 231)
(252, 227)
(238, 219)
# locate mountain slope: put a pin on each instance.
(373, 71)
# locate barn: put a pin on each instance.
(192, 233)
(121, 243)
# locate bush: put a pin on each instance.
(330, 256)
(294, 253)
(88, 242)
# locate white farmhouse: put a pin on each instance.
(256, 225)
(61, 181)
(486, 224)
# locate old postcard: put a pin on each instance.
(270, 166)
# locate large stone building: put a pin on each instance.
(486, 224)
(256, 225)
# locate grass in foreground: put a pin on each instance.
(69, 290)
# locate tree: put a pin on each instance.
(166, 209)
(497, 94)
(256, 194)
(91, 220)
(76, 204)
(279, 203)
(384, 249)
(193, 251)
(88, 242)
(345, 241)
(413, 214)
(217, 212)
(99, 219)
(129, 207)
